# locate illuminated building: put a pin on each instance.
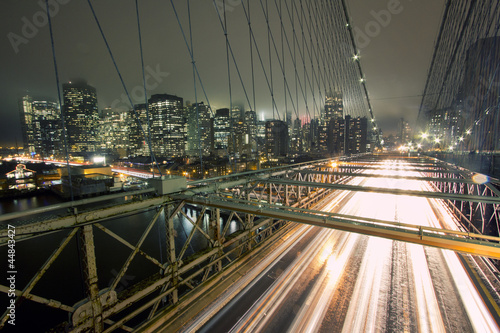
(404, 131)
(137, 140)
(334, 108)
(356, 130)
(222, 128)
(114, 132)
(336, 136)
(237, 139)
(41, 127)
(168, 125)
(251, 132)
(21, 179)
(26, 116)
(81, 116)
(296, 137)
(199, 133)
(276, 138)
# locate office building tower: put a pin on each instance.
(168, 125)
(296, 137)
(356, 135)
(404, 131)
(114, 132)
(41, 127)
(334, 107)
(276, 138)
(251, 132)
(336, 139)
(26, 117)
(47, 128)
(199, 133)
(81, 116)
(222, 130)
(139, 132)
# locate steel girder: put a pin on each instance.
(283, 194)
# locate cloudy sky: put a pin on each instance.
(395, 39)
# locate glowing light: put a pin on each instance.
(356, 57)
(99, 159)
(419, 145)
(468, 132)
(424, 135)
(461, 138)
(362, 80)
(479, 178)
(437, 140)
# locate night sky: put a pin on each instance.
(395, 53)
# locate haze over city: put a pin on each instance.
(394, 40)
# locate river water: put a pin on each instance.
(64, 282)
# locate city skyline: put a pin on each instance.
(82, 53)
(168, 129)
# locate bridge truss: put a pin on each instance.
(231, 217)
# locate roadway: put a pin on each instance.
(333, 281)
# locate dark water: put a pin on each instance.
(64, 282)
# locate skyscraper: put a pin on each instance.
(333, 107)
(296, 137)
(138, 123)
(251, 132)
(114, 132)
(276, 138)
(199, 134)
(41, 126)
(356, 134)
(81, 116)
(26, 117)
(222, 128)
(168, 125)
(47, 129)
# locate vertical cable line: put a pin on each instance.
(283, 58)
(63, 114)
(322, 46)
(292, 54)
(311, 60)
(230, 90)
(455, 51)
(266, 13)
(120, 76)
(269, 57)
(221, 21)
(148, 138)
(195, 93)
(253, 84)
(257, 50)
(354, 48)
(294, 57)
(318, 49)
(301, 18)
(192, 57)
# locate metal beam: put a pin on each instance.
(425, 194)
(435, 237)
(368, 175)
(71, 204)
